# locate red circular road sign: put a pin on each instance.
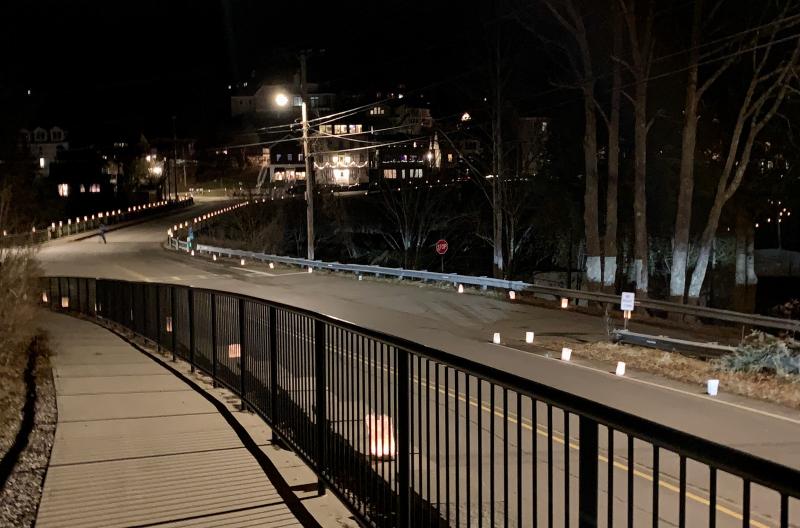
(441, 246)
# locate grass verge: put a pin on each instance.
(757, 385)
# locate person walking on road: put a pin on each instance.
(103, 233)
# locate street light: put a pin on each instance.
(282, 99)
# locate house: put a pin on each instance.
(259, 101)
(84, 179)
(44, 145)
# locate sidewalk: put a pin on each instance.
(137, 446)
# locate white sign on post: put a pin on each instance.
(626, 301)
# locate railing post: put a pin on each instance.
(242, 352)
(213, 340)
(173, 319)
(402, 422)
(273, 367)
(191, 328)
(322, 420)
(157, 322)
(587, 473)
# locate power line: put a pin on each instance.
(386, 144)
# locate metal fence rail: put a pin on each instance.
(752, 320)
(407, 435)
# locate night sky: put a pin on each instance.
(103, 67)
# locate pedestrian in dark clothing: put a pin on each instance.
(103, 233)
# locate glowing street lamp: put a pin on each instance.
(281, 99)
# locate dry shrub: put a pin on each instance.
(19, 285)
(19, 275)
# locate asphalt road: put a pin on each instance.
(463, 325)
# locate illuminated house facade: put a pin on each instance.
(394, 139)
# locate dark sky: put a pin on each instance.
(120, 64)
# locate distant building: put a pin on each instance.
(44, 145)
(259, 100)
(84, 178)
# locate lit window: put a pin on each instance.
(289, 157)
(355, 129)
(279, 176)
(300, 157)
(95, 188)
(278, 157)
(450, 157)
(314, 100)
(415, 173)
(347, 160)
(300, 175)
(326, 129)
(41, 163)
(340, 129)
(63, 190)
(83, 188)
(376, 110)
(389, 174)
(297, 100)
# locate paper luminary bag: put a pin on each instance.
(381, 436)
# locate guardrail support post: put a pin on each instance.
(322, 420)
(587, 473)
(191, 328)
(402, 422)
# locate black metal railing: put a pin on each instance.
(407, 435)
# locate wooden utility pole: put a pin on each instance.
(307, 159)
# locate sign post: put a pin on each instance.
(626, 304)
(441, 249)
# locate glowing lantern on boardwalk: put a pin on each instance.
(381, 436)
(169, 325)
(65, 302)
(234, 350)
(44, 297)
(564, 302)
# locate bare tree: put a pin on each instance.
(415, 214)
(769, 83)
(694, 94)
(5, 207)
(568, 16)
(612, 181)
(640, 35)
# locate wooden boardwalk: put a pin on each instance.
(136, 446)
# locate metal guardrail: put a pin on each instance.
(87, 223)
(407, 435)
(700, 349)
(752, 320)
